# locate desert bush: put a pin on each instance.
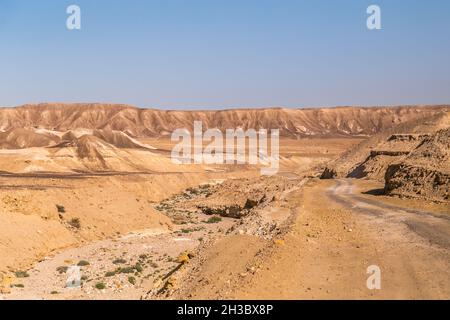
(214, 219)
(138, 267)
(75, 222)
(83, 263)
(110, 274)
(126, 270)
(21, 274)
(100, 286)
(119, 261)
(62, 269)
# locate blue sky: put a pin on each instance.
(225, 53)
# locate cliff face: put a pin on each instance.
(372, 156)
(343, 121)
(425, 172)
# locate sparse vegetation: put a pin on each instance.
(132, 280)
(75, 222)
(83, 263)
(214, 219)
(60, 208)
(110, 274)
(62, 269)
(119, 261)
(54, 292)
(21, 274)
(18, 285)
(138, 267)
(126, 270)
(100, 286)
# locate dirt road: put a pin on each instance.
(339, 228)
(431, 226)
(338, 233)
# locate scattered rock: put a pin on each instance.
(328, 173)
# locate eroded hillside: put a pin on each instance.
(343, 121)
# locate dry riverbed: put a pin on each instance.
(140, 264)
(123, 268)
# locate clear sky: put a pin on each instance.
(225, 53)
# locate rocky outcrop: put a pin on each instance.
(232, 211)
(414, 181)
(390, 153)
(408, 137)
(328, 173)
(425, 172)
(237, 199)
(381, 149)
(374, 167)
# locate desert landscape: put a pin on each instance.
(94, 186)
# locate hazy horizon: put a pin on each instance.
(213, 108)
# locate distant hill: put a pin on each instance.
(135, 122)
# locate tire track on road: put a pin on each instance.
(432, 227)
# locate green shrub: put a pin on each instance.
(214, 219)
(60, 208)
(75, 222)
(119, 261)
(132, 280)
(83, 263)
(21, 274)
(100, 285)
(138, 267)
(62, 269)
(126, 270)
